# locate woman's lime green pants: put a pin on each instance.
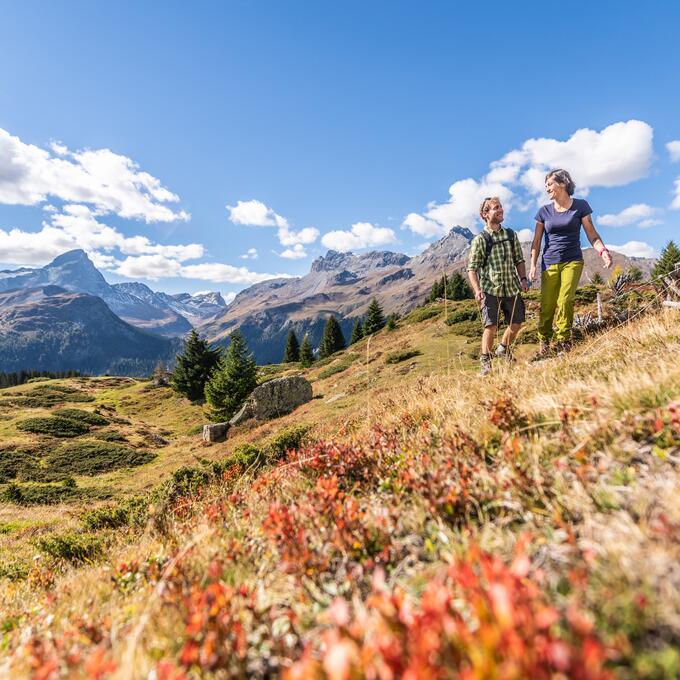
(558, 290)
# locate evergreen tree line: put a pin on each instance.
(21, 377)
(454, 287)
(333, 340)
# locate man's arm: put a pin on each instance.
(474, 282)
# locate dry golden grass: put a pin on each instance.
(614, 511)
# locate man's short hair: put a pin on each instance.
(564, 178)
(485, 203)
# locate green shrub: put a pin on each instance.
(13, 571)
(72, 546)
(586, 294)
(87, 417)
(423, 313)
(285, 440)
(401, 355)
(247, 455)
(56, 426)
(111, 436)
(464, 314)
(45, 396)
(49, 494)
(18, 462)
(95, 457)
(132, 512)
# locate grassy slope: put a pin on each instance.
(561, 462)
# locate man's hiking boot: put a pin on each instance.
(485, 364)
(544, 352)
(503, 352)
(563, 347)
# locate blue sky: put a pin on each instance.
(129, 128)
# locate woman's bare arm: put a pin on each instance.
(596, 240)
(536, 249)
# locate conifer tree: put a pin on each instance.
(457, 288)
(391, 322)
(233, 380)
(375, 318)
(292, 351)
(357, 332)
(306, 352)
(194, 366)
(332, 340)
(597, 279)
(670, 256)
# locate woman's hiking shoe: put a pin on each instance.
(504, 352)
(485, 364)
(563, 347)
(544, 352)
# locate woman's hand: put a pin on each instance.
(606, 258)
(532, 273)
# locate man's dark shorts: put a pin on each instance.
(510, 306)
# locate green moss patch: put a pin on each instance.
(95, 457)
(55, 426)
(87, 417)
(401, 355)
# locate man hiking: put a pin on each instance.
(497, 275)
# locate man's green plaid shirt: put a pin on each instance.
(499, 276)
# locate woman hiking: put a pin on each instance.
(559, 224)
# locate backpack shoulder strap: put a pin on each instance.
(488, 244)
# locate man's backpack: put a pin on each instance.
(489, 243)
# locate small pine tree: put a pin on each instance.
(597, 280)
(457, 288)
(194, 366)
(375, 318)
(669, 257)
(434, 293)
(232, 382)
(306, 352)
(161, 377)
(391, 322)
(634, 274)
(333, 340)
(292, 351)
(357, 332)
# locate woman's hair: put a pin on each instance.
(564, 178)
(486, 202)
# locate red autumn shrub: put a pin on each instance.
(481, 619)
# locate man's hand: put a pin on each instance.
(479, 296)
(525, 285)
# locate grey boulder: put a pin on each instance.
(274, 398)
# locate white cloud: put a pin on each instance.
(361, 235)
(305, 236)
(673, 149)
(228, 297)
(148, 267)
(619, 154)
(30, 248)
(525, 235)
(675, 205)
(251, 254)
(638, 213)
(225, 273)
(255, 214)
(297, 252)
(111, 182)
(635, 249)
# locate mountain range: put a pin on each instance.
(70, 299)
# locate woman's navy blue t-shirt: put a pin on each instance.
(562, 232)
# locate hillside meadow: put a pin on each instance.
(410, 521)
